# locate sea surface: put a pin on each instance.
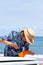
(37, 47)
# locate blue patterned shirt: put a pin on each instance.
(14, 37)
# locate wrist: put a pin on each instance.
(1, 40)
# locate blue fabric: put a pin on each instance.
(15, 37)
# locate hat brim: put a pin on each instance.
(28, 38)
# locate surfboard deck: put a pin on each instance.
(21, 59)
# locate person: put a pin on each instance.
(17, 42)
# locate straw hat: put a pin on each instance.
(29, 35)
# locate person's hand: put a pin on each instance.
(32, 53)
(15, 45)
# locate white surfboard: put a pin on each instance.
(28, 59)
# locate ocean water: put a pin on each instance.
(37, 47)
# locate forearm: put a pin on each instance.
(30, 52)
(13, 44)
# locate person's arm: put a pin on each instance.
(26, 51)
(13, 44)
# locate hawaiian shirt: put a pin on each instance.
(14, 37)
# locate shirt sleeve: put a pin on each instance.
(12, 36)
(4, 37)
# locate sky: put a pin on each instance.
(17, 14)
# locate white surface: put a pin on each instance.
(37, 59)
(27, 57)
(21, 63)
(16, 58)
(1, 55)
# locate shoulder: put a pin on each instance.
(14, 33)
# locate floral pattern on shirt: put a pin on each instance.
(14, 37)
